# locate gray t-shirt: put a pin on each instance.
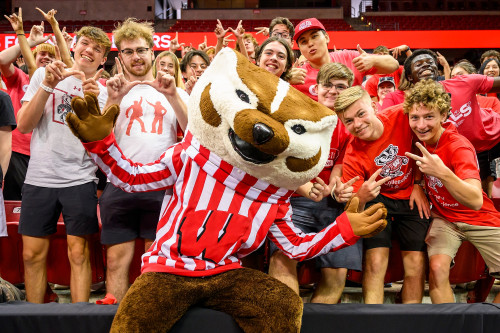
(58, 158)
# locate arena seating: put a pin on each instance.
(435, 22)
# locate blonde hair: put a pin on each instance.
(336, 71)
(44, 47)
(430, 94)
(97, 35)
(132, 29)
(177, 75)
(348, 97)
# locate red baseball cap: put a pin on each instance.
(306, 25)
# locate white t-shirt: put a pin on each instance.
(58, 159)
(146, 125)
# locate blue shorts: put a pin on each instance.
(310, 216)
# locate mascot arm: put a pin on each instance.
(300, 246)
(344, 231)
(130, 176)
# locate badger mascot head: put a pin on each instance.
(259, 123)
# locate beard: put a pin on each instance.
(146, 68)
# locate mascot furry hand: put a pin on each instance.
(252, 140)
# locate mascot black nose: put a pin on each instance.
(262, 133)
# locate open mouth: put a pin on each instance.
(247, 151)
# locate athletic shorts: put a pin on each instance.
(127, 216)
(309, 217)
(42, 206)
(486, 165)
(403, 224)
(14, 178)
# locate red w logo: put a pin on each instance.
(209, 235)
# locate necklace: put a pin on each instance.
(440, 135)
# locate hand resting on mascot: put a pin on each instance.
(252, 139)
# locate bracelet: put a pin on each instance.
(408, 49)
(332, 193)
(20, 34)
(47, 89)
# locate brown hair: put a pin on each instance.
(334, 70)
(97, 35)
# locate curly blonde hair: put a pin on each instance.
(131, 29)
(430, 94)
(348, 97)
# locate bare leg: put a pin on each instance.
(439, 279)
(119, 258)
(375, 267)
(81, 272)
(331, 286)
(414, 280)
(284, 269)
(35, 251)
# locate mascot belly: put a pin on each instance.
(252, 139)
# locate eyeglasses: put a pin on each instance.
(338, 87)
(141, 51)
(284, 35)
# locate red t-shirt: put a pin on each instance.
(340, 138)
(393, 98)
(458, 154)
(363, 158)
(343, 57)
(17, 84)
(491, 103)
(371, 85)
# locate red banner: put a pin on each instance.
(432, 39)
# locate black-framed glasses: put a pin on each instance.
(338, 87)
(141, 51)
(284, 35)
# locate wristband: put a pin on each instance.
(47, 89)
(408, 49)
(418, 182)
(20, 34)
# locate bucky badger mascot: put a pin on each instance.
(251, 141)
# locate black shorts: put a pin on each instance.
(14, 179)
(127, 216)
(42, 206)
(485, 160)
(406, 224)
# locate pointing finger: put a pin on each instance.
(414, 157)
(383, 181)
(98, 74)
(352, 181)
(422, 149)
(375, 175)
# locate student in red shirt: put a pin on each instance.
(376, 155)
(312, 39)
(460, 209)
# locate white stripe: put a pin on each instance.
(283, 88)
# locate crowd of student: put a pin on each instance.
(409, 139)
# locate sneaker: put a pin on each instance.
(109, 299)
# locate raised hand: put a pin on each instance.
(262, 30)
(203, 46)
(36, 35)
(430, 164)
(87, 123)
(174, 43)
(226, 40)
(57, 71)
(118, 86)
(50, 16)
(190, 84)
(219, 31)
(398, 50)
(371, 188)
(297, 75)
(16, 21)
(20, 61)
(90, 85)
(67, 38)
(164, 83)
(342, 192)
(364, 61)
(239, 31)
(369, 222)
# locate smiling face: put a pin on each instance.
(196, 66)
(258, 123)
(492, 69)
(273, 58)
(313, 44)
(384, 88)
(423, 67)
(88, 55)
(137, 57)
(360, 120)
(457, 70)
(328, 92)
(166, 64)
(426, 123)
(43, 58)
(281, 31)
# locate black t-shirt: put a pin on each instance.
(7, 117)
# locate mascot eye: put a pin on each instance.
(299, 129)
(243, 96)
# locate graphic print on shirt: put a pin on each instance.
(433, 182)
(160, 111)
(391, 162)
(211, 235)
(457, 117)
(61, 106)
(136, 115)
